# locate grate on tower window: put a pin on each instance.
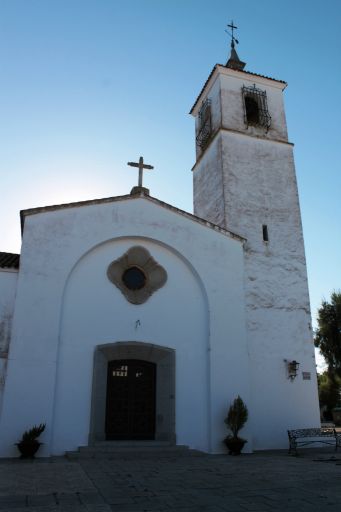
(205, 125)
(256, 111)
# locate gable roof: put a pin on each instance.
(9, 260)
(128, 197)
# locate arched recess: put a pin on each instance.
(164, 358)
(95, 314)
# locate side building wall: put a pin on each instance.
(8, 284)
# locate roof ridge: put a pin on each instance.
(90, 202)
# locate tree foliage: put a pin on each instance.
(33, 433)
(329, 386)
(237, 416)
(328, 334)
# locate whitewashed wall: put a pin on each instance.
(262, 190)
(8, 283)
(243, 180)
(66, 306)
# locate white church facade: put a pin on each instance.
(127, 318)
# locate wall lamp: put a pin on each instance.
(292, 368)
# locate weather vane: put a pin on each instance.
(234, 61)
(233, 39)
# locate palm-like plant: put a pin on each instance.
(33, 433)
(237, 416)
(29, 444)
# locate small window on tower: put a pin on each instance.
(255, 107)
(205, 126)
(265, 233)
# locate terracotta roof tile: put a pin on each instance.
(9, 260)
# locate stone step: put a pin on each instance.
(117, 445)
(132, 450)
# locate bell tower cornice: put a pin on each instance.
(220, 69)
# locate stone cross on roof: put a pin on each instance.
(141, 165)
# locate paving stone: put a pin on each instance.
(67, 499)
(256, 483)
(12, 502)
(63, 508)
(39, 500)
(91, 498)
(98, 508)
(131, 507)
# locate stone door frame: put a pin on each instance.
(163, 357)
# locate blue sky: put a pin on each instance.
(87, 86)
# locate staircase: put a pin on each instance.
(132, 450)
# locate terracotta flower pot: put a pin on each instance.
(28, 449)
(234, 445)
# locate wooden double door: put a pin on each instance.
(131, 400)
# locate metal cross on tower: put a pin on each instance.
(233, 39)
(141, 166)
(234, 61)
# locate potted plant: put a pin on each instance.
(29, 444)
(236, 418)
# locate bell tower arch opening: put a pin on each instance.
(252, 110)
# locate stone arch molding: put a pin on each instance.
(163, 357)
(150, 273)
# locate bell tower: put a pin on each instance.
(244, 181)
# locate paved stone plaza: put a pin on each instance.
(269, 481)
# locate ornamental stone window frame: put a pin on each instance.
(140, 258)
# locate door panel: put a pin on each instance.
(130, 409)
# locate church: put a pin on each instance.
(128, 319)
